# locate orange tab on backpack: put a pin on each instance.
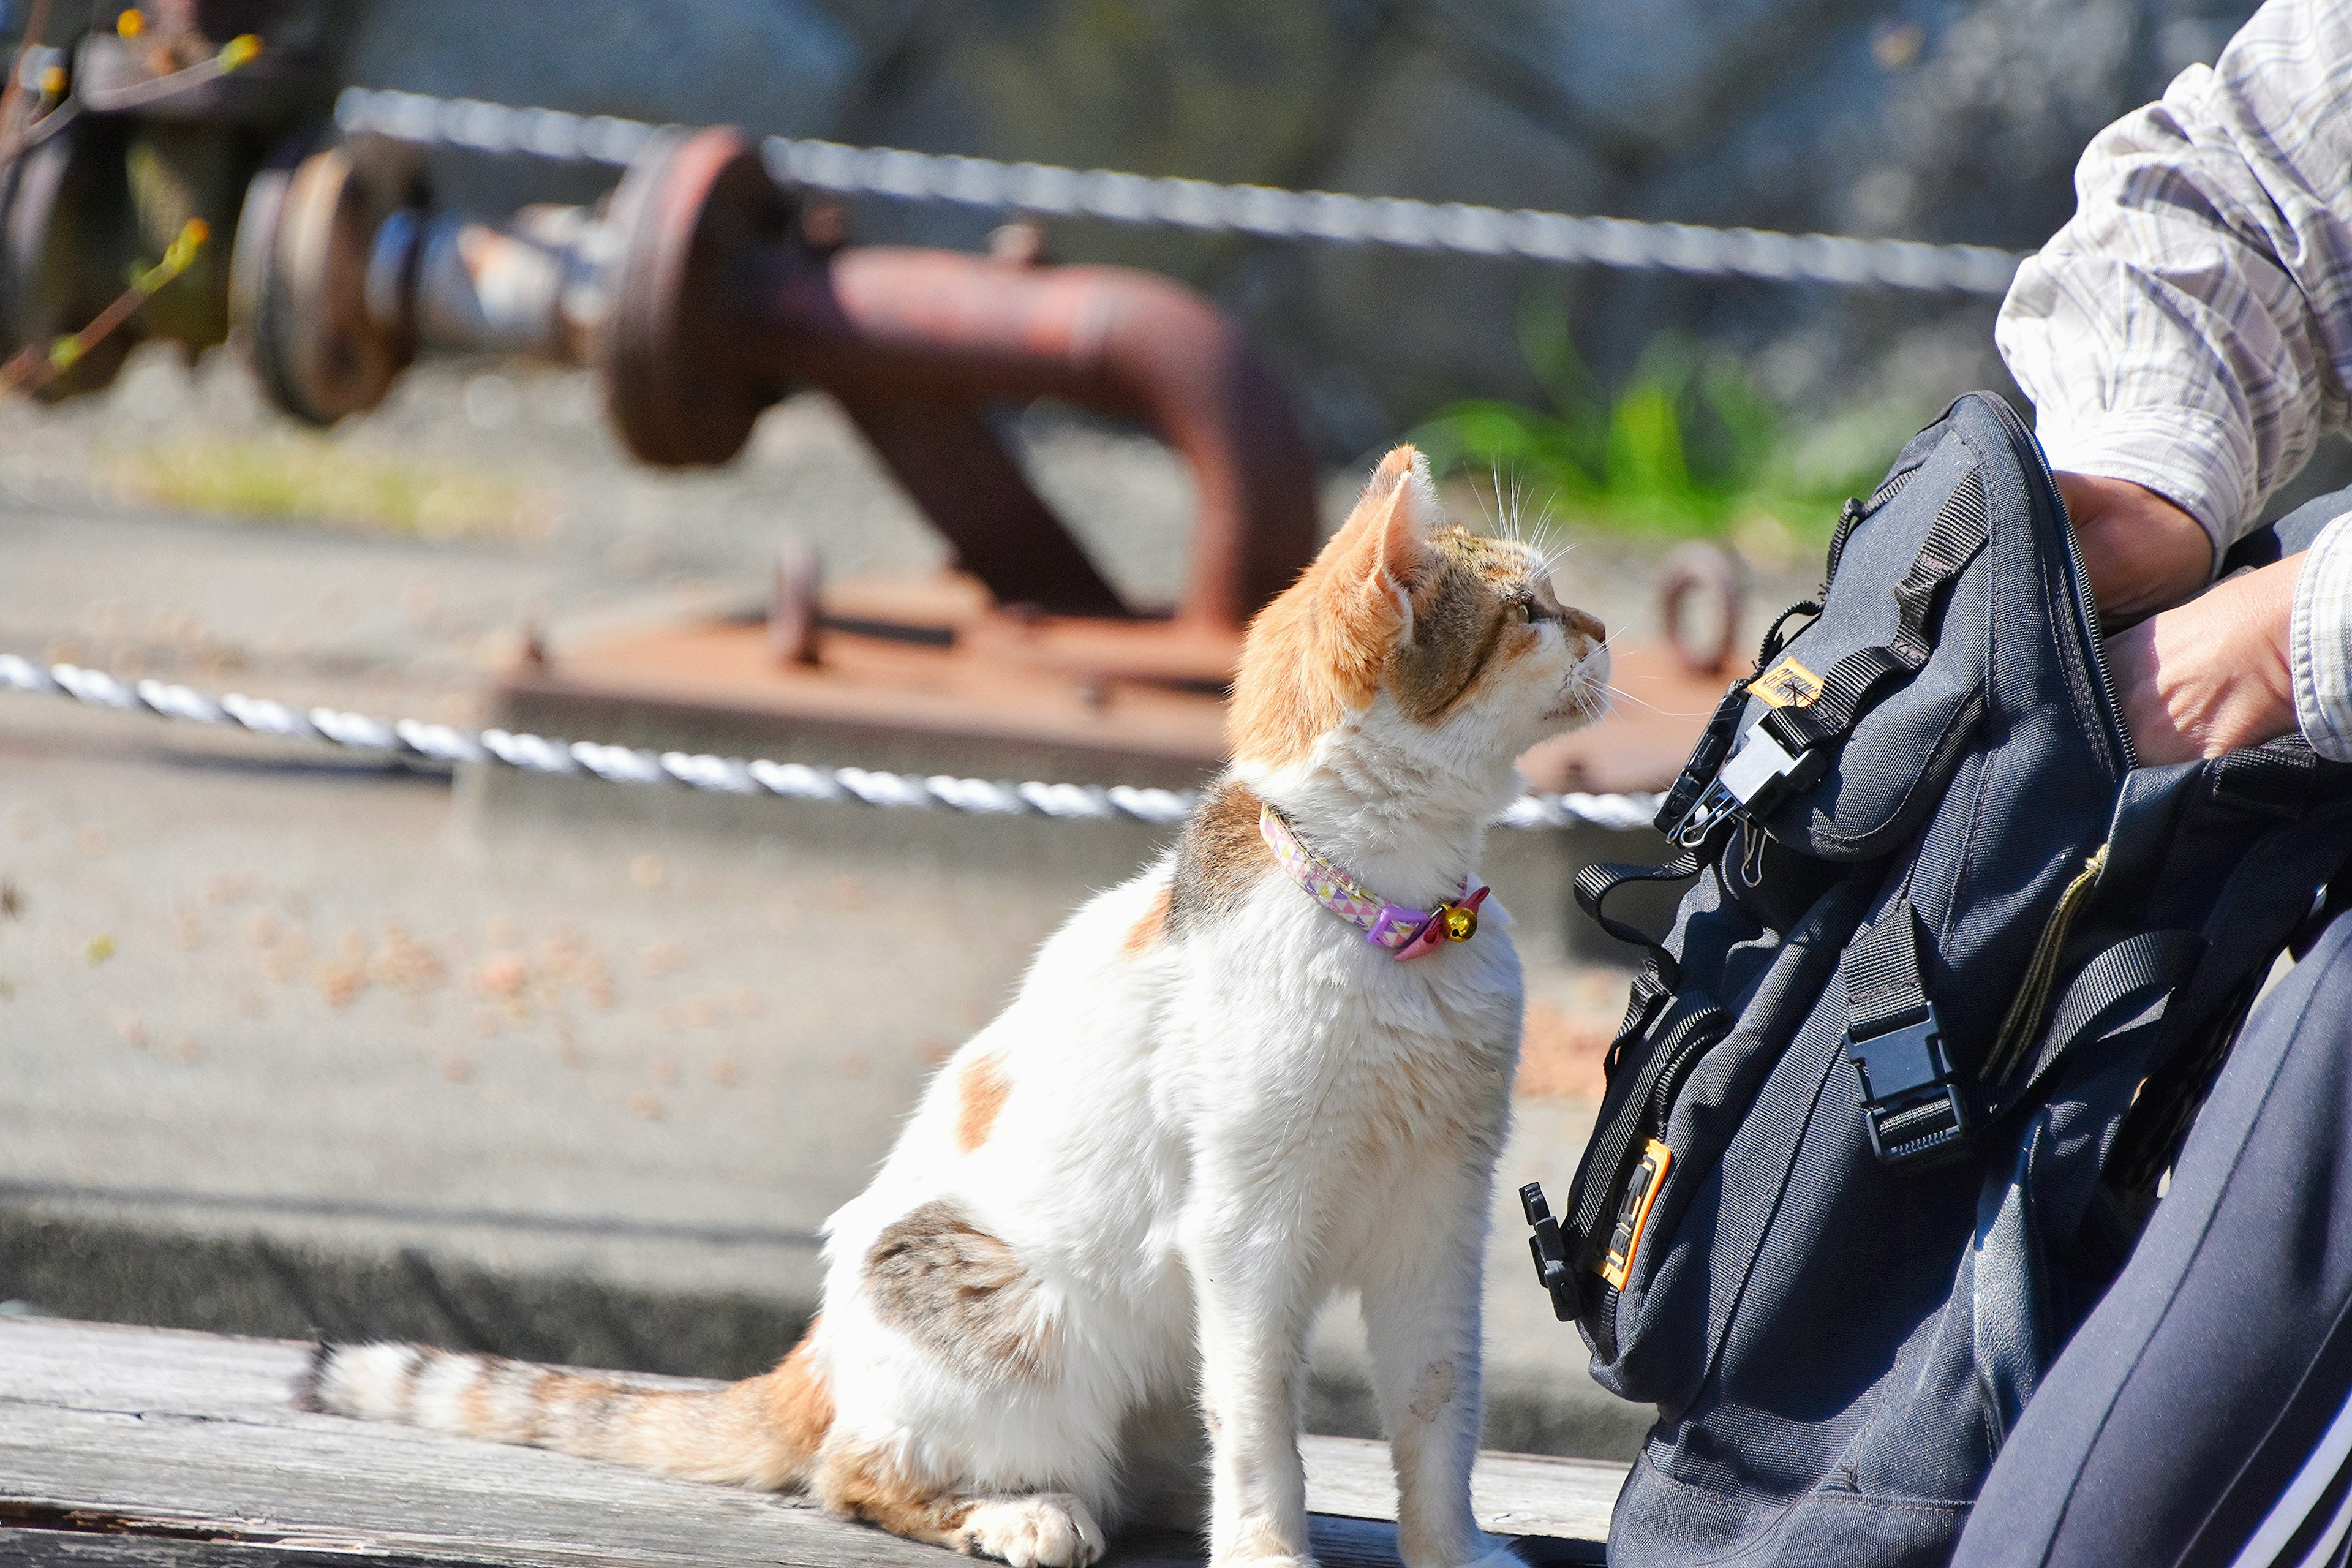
(1634, 1213)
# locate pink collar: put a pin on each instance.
(1406, 934)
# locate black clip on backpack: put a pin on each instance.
(1891, 1101)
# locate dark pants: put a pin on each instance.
(2198, 1405)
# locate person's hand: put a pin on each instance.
(2142, 552)
(2212, 675)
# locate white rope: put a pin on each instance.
(412, 739)
(1260, 210)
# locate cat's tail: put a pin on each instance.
(761, 1432)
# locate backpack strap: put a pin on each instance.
(1602, 878)
(1910, 1097)
(1788, 749)
(2128, 986)
(1846, 685)
(1691, 1022)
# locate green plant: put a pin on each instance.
(310, 479)
(1687, 446)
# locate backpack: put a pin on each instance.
(1894, 1097)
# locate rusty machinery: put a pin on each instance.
(697, 293)
(113, 143)
(703, 294)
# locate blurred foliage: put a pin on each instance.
(1689, 445)
(296, 479)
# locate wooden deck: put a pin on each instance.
(124, 1446)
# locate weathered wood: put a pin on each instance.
(1515, 1494)
(186, 1447)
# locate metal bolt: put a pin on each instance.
(795, 617)
(1020, 243)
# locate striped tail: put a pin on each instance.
(761, 1432)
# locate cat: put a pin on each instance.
(1098, 1245)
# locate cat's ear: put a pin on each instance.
(1384, 549)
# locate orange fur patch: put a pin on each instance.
(980, 1090)
(474, 1408)
(1316, 652)
(1146, 932)
(800, 1397)
(865, 1483)
(1397, 600)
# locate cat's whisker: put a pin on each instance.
(1663, 712)
(1493, 524)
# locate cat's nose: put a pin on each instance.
(1589, 626)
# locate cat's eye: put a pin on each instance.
(1535, 611)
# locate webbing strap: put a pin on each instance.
(1951, 543)
(2272, 780)
(1883, 987)
(1642, 998)
(1602, 878)
(2141, 969)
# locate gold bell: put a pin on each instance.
(1460, 924)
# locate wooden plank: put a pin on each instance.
(1515, 1494)
(188, 1442)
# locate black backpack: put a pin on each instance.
(1892, 1099)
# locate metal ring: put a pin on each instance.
(1708, 569)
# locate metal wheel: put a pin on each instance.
(306, 237)
(676, 383)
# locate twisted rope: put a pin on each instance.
(412, 740)
(1258, 210)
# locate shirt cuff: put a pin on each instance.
(2319, 643)
(2179, 454)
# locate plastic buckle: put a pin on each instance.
(1910, 1103)
(1759, 773)
(1551, 1251)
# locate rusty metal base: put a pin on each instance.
(966, 690)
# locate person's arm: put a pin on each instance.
(2189, 330)
(2184, 340)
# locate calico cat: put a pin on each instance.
(1233, 1085)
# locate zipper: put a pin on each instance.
(2086, 613)
(2024, 1018)
(1678, 1067)
(1615, 1145)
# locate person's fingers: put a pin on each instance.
(2212, 675)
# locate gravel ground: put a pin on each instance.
(250, 988)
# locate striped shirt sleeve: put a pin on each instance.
(2319, 648)
(2190, 328)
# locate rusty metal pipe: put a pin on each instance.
(695, 296)
(878, 326)
(717, 309)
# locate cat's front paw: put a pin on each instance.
(1498, 1554)
(1050, 1530)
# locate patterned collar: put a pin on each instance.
(1404, 932)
